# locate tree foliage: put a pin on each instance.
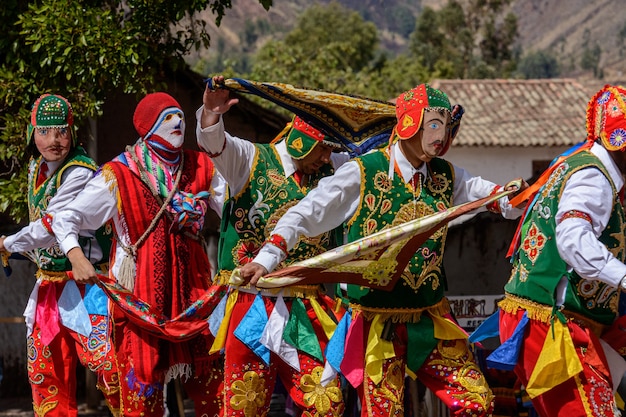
(335, 49)
(84, 50)
(539, 64)
(469, 38)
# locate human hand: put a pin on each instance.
(82, 269)
(217, 100)
(518, 185)
(252, 272)
(2, 248)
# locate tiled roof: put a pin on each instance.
(543, 112)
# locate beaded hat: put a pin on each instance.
(303, 137)
(50, 111)
(606, 117)
(410, 107)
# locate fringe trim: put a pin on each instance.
(180, 370)
(126, 273)
(402, 315)
(543, 313)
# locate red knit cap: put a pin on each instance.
(148, 111)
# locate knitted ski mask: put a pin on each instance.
(606, 118)
(160, 122)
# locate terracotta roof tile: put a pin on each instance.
(545, 112)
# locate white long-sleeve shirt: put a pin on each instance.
(97, 204)
(336, 199)
(590, 192)
(236, 159)
(35, 235)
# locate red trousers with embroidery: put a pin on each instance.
(249, 382)
(587, 394)
(449, 372)
(204, 386)
(52, 368)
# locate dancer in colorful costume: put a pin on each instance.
(157, 195)
(568, 268)
(407, 329)
(265, 333)
(65, 322)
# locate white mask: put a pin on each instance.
(170, 126)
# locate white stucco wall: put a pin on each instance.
(499, 164)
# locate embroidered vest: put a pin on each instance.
(537, 266)
(385, 203)
(250, 216)
(53, 258)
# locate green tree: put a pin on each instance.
(539, 64)
(84, 50)
(470, 38)
(327, 47)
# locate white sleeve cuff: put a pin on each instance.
(211, 138)
(613, 272)
(269, 256)
(69, 243)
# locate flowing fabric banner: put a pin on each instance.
(376, 261)
(186, 325)
(359, 124)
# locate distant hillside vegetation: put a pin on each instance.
(571, 30)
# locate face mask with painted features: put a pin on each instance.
(170, 127)
(435, 133)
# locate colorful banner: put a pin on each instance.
(359, 124)
(376, 261)
(186, 325)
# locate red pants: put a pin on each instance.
(449, 372)
(204, 386)
(249, 382)
(587, 394)
(52, 368)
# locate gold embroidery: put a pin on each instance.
(392, 387)
(323, 397)
(297, 144)
(249, 393)
(46, 405)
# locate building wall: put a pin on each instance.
(499, 164)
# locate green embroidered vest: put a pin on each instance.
(250, 216)
(386, 203)
(537, 266)
(53, 258)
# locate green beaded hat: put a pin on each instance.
(303, 137)
(50, 111)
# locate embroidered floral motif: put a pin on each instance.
(247, 250)
(249, 394)
(438, 184)
(379, 272)
(382, 182)
(613, 108)
(618, 137)
(392, 387)
(533, 243)
(323, 397)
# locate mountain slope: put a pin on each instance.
(565, 27)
